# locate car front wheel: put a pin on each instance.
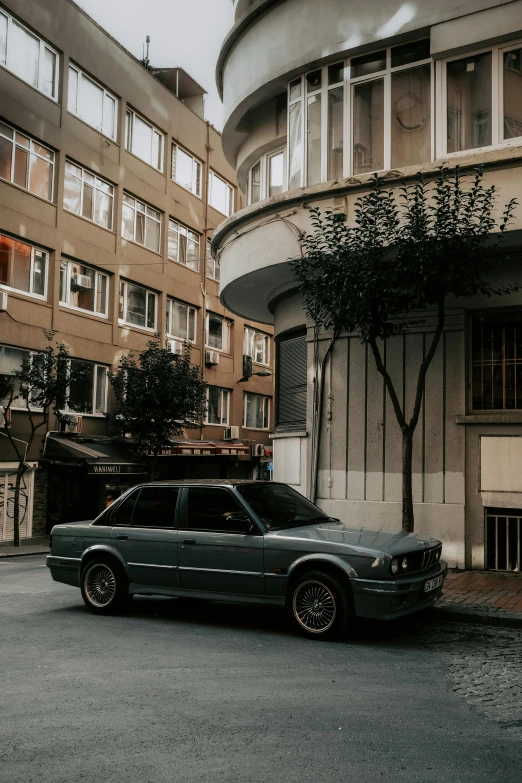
(104, 586)
(319, 605)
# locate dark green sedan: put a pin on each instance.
(249, 542)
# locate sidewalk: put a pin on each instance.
(39, 545)
(485, 596)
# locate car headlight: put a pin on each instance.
(395, 567)
(404, 564)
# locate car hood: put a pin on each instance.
(386, 541)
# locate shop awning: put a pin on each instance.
(100, 455)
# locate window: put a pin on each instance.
(220, 194)
(291, 383)
(217, 332)
(512, 90)
(92, 103)
(218, 401)
(389, 119)
(25, 162)
(496, 361)
(88, 394)
(141, 223)
(211, 264)
(28, 56)
(88, 195)
(156, 507)
(123, 513)
(181, 320)
(183, 245)
(186, 170)
(83, 288)
(12, 360)
(23, 267)
(210, 509)
(266, 177)
(256, 345)
(138, 306)
(144, 140)
(256, 411)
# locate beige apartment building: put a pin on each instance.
(111, 186)
(317, 97)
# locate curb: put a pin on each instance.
(23, 554)
(480, 617)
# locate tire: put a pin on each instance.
(104, 586)
(320, 605)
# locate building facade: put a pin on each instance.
(317, 98)
(111, 186)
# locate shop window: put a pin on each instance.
(256, 411)
(141, 223)
(23, 267)
(92, 103)
(83, 288)
(137, 306)
(218, 404)
(496, 361)
(144, 140)
(26, 163)
(88, 195)
(183, 245)
(28, 56)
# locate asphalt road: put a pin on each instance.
(177, 691)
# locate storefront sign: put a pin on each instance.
(233, 451)
(111, 469)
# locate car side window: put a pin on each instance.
(122, 514)
(156, 507)
(214, 509)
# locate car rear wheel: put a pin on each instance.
(104, 586)
(319, 605)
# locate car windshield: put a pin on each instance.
(279, 506)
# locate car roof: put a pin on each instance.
(204, 482)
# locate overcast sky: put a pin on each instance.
(185, 33)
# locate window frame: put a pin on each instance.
(170, 334)
(477, 314)
(142, 212)
(123, 320)
(81, 74)
(129, 131)
(97, 368)
(68, 275)
(231, 193)
(222, 390)
(43, 45)
(264, 163)
(215, 264)
(225, 333)
(497, 99)
(249, 336)
(266, 411)
(30, 353)
(195, 190)
(34, 248)
(95, 190)
(30, 151)
(188, 231)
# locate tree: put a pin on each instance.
(42, 385)
(408, 251)
(158, 394)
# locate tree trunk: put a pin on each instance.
(407, 494)
(16, 512)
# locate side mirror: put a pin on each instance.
(241, 523)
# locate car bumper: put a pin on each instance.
(389, 599)
(64, 569)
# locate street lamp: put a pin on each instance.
(262, 373)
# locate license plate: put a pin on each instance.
(433, 584)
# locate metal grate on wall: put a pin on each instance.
(503, 539)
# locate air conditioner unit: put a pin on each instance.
(82, 281)
(211, 357)
(73, 425)
(231, 433)
(258, 450)
(174, 346)
(3, 301)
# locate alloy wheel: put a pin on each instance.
(100, 585)
(314, 606)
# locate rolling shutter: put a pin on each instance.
(291, 409)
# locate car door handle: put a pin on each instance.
(122, 538)
(188, 540)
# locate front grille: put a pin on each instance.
(423, 559)
(430, 557)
